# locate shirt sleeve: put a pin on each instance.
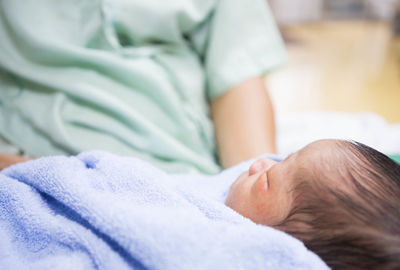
(243, 41)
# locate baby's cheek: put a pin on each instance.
(266, 213)
(260, 188)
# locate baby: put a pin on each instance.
(342, 199)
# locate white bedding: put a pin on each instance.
(295, 130)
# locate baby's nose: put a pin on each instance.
(261, 164)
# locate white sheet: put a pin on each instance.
(296, 130)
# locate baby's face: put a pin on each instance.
(264, 192)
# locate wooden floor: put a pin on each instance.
(339, 66)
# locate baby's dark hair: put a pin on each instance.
(356, 224)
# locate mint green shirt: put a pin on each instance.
(133, 77)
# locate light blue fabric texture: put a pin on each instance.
(100, 211)
(131, 77)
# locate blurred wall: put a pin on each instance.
(383, 9)
(294, 11)
(298, 11)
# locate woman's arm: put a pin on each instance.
(244, 122)
(7, 160)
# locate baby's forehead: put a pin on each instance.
(327, 152)
(326, 161)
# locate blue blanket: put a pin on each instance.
(100, 211)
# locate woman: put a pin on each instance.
(139, 78)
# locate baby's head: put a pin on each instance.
(342, 199)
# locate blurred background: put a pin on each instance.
(344, 55)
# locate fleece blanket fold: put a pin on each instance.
(100, 211)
